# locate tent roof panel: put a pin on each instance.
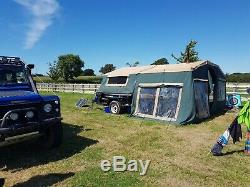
(182, 67)
(126, 71)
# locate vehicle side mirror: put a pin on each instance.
(30, 66)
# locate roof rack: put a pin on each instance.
(11, 60)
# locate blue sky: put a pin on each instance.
(120, 31)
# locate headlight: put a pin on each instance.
(29, 114)
(47, 108)
(14, 116)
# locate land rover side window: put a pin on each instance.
(201, 99)
(168, 102)
(147, 101)
(120, 80)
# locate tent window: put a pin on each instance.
(120, 80)
(159, 102)
(147, 101)
(168, 102)
(201, 99)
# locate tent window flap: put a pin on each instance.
(201, 99)
(221, 94)
(159, 102)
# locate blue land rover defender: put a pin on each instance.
(22, 110)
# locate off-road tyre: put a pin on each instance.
(52, 136)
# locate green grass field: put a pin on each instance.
(179, 155)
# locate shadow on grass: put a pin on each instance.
(45, 180)
(232, 152)
(28, 154)
(212, 117)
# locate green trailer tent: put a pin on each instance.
(178, 93)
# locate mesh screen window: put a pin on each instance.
(168, 102)
(159, 102)
(147, 101)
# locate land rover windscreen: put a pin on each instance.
(14, 78)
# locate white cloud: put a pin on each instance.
(42, 12)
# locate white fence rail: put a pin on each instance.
(73, 88)
(91, 88)
(237, 88)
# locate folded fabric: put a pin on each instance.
(235, 130)
(221, 142)
(224, 138)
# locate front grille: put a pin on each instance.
(5, 109)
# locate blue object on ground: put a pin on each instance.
(216, 150)
(107, 109)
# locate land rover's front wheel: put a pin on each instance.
(115, 107)
(52, 137)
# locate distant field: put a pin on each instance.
(81, 79)
(179, 154)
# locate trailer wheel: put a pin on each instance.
(115, 107)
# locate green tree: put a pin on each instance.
(54, 72)
(70, 66)
(88, 72)
(161, 61)
(238, 77)
(107, 68)
(189, 55)
(133, 64)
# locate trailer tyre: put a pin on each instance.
(115, 107)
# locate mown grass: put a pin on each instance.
(179, 155)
